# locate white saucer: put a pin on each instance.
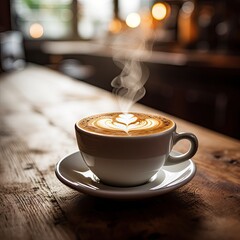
(73, 172)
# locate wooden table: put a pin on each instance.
(38, 110)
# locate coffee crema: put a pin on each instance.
(125, 124)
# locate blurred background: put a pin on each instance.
(194, 59)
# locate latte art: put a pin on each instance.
(126, 123)
(121, 124)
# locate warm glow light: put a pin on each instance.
(159, 11)
(133, 20)
(36, 30)
(115, 26)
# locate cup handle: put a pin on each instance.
(185, 156)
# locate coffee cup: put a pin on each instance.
(128, 149)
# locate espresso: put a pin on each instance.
(125, 124)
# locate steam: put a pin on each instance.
(129, 85)
(129, 50)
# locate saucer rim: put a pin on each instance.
(116, 192)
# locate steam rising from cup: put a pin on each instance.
(128, 50)
(129, 85)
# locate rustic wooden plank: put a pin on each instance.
(28, 208)
(37, 117)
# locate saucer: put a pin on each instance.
(73, 172)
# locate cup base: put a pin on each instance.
(123, 185)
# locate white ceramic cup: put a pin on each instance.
(131, 160)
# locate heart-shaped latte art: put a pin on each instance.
(126, 123)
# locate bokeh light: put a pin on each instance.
(36, 30)
(133, 20)
(188, 7)
(159, 11)
(115, 26)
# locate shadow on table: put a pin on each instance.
(174, 215)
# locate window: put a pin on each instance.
(61, 19)
(69, 19)
(48, 19)
(94, 17)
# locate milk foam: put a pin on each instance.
(125, 124)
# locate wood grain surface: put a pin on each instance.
(38, 109)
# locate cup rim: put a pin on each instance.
(171, 129)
